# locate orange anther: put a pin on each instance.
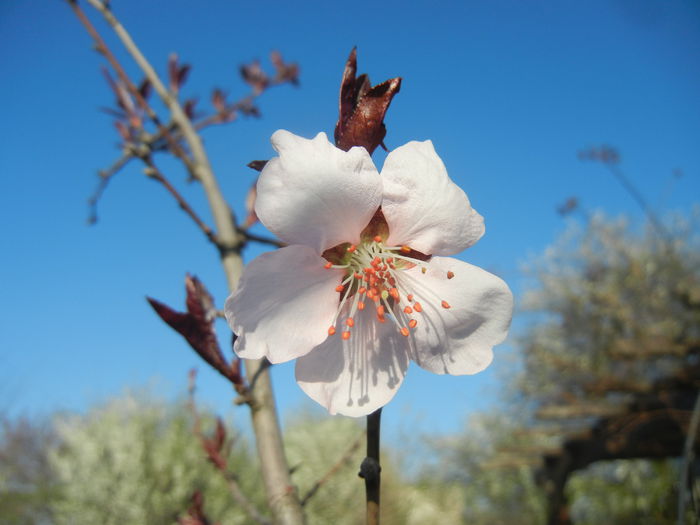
(410, 297)
(445, 304)
(350, 322)
(404, 331)
(360, 305)
(381, 318)
(408, 310)
(358, 275)
(339, 288)
(450, 275)
(375, 262)
(389, 260)
(377, 238)
(417, 307)
(328, 265)
(412, 323)
(423, 269)
(362, 290)
(331, 330)
(394, 293)
(352, 248)
(405, 249)
(346, 335)
(380, 310)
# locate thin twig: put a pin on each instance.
(153, 172)
(344, 460)
(263, 240)
(105, 178)
(371, 469)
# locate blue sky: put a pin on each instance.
(508, 91)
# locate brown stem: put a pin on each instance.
(371, 469)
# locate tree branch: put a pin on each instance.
(282, 497)
(344, 460)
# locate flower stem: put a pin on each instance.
(370, 469)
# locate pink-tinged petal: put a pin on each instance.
(457, 338)
(284, 304)
(316, 194)
(355, 377)
(423, 207)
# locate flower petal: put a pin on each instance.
(316, 194)
(284, 304)
(355, 377)
(423, 207)
(457, 339)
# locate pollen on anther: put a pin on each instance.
(377, 238)
(360, 305)
(405, 249)
(404, 331)
(331, 330)
(350, 322)
(410, 297)
(408, 310)
(394, 293)
(412, 323)
(346, 335)
(352, 248)
(445, 304)
(450, 275)
(380, 310)
(417, 307)
(362, 290)
(339, 288)
(328, 265)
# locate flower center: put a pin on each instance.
(372, 278)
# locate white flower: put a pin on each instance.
(363, 287)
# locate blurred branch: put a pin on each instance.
(217, 448)
(344, 460)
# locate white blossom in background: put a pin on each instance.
(363, 286)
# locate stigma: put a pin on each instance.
(373, 279)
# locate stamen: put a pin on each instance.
(408, 310)
(346, 336)
(360, 305)
(417, 307)
(404, 331)
(394, 293)
(445, 304)
(350, 322)
(331, 330)
(412, 323)
(410, 297)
